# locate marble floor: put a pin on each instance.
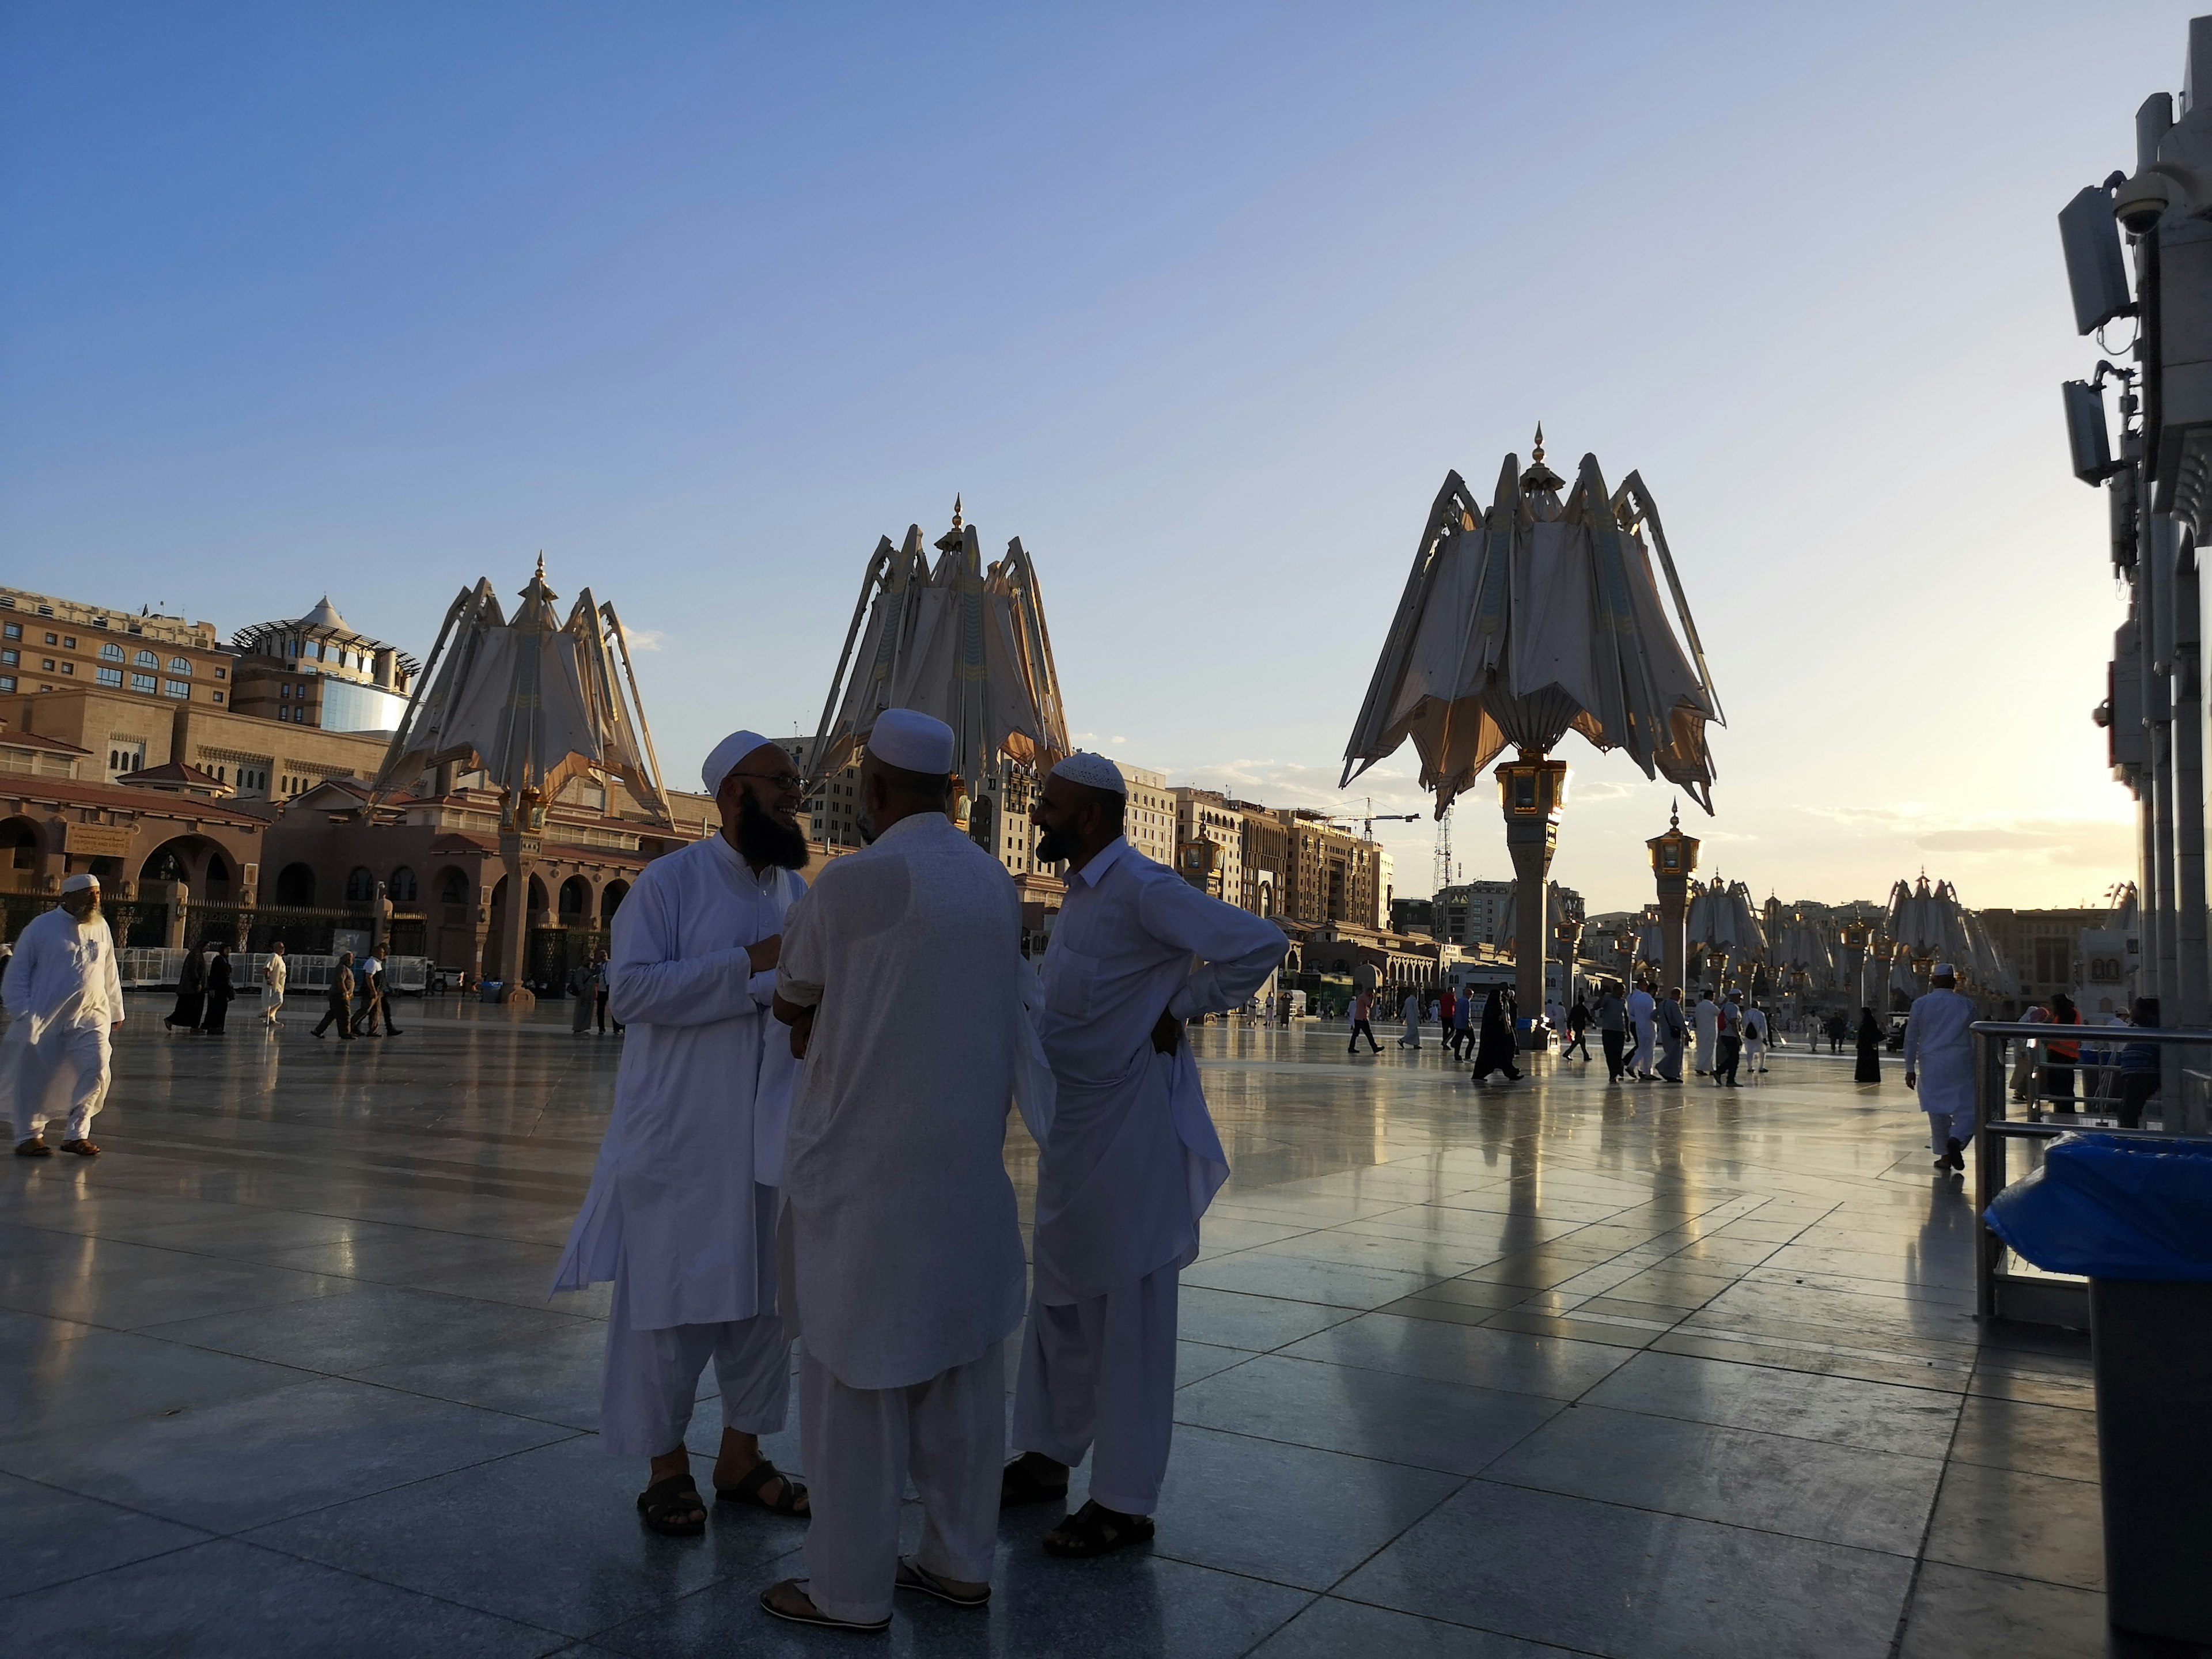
(1548, 1368)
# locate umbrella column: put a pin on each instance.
(1532, 789)
(1674, 857)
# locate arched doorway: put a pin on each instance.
(401, 888)
(575, 902)
(19, 854)
(360, 884)
(611, 898)
(295, 885)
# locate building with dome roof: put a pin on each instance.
(317, 671)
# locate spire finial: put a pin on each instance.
(956, 512)
(1536, 452)
(1675, 813)
(541, 564)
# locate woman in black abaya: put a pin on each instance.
(1869, 1069)
(1494, 1052)
(192, 994)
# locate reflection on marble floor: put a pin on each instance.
(1556, 1367)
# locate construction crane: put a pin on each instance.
(1370, 817)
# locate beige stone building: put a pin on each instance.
(50, 644)
(1150, 823)
(317, 671)
(1210, 843)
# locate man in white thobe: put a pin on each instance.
(1641, 1010)
(66, 999)
(275, 973)
(1707, 1017)
(1132, 1160)
(902, 980)
(681, 1214)
(1939, 1061)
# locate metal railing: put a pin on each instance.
(2182, 1098)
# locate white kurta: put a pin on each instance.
(1940, 1048)
(1641, 1011)
(1708, 1017)
(694, 1146)
(63, 991)
(1133, 1159)
(902, 1242)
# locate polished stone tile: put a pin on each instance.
(456, 1537)
(358, 1327)
(1288, 1514)
(1802, 1489)
(555, 1376)
(105, 1379)
(1300, 1278)
(1947, 1373)
(131, 1286)
(1475, 1356)
(226, 1599)
(1197, 1360)
(239, 1463)
(1380, 1414)
(1601, 1578)
(1842, 1411)
(1330, 1628)
(1231, 1319)
(1957, 1612)
(48, 1536)
(2028, 1526)
(2038, 1439)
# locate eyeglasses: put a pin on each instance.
(785, 782)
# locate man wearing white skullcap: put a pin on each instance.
(1131, 1160)
(66, 999)
(681, 1214)
(1939, 1061)
(903, 984)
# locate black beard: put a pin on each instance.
(1056, 846)
(764, 843)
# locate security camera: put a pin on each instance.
(2141, 202)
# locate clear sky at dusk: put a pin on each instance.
(1199, 302)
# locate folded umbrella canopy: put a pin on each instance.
(967, 645)
(1802, 948)
(1724, 921)
(1539, 617)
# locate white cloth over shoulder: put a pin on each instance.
(901, 1245)
(702, 1099)
(61, 980)
(1940, 1048)
(1133, 1159)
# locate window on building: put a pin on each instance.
(178, 665)
(7, 658)
(223, 673)
(401, 887)
(69, 668)
(7, 682)
(216, 696)
(283, 690)
(361, 886)
(110, 652)
(52, 639)
(13, 630)
(109, 677)
(68, 642)
(176, 688)
(147, 659)
(145, 682)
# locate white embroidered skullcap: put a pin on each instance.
(913, 741)
(728, 753)
(1945, 970)
(1092, 772)
(77, 883)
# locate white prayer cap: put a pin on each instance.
(728, 753)
(78, 884)
(913, 741)
(1945, 970)
(1092, 772)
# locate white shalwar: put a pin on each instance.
(1641, 1010)
(902, 1245)
(1130, 1164)
(681, 1213)
(1754, 1040)
(63, 991)
(1707, 1015)
(1940, 1050)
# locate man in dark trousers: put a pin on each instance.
(339, 1011)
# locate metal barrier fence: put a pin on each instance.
(2055, 1096)
(146, 968)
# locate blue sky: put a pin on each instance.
(1201, 302)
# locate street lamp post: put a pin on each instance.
(1674, 857)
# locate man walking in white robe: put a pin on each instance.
(1132, 1161)
(681, 1214)
(1641, 1011)
(902, 980)
(1707, 1016)
(1939, 1061)
(65, 998)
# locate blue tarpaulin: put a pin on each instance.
(2112, 1206)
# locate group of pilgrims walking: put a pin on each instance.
(807, 1145)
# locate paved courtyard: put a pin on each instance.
(1466, 1372)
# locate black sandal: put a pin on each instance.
(660, 1503)
(1094, 1529)
(1021, 1484)
(912, 1576)
(820, 1619)
(748, 1491)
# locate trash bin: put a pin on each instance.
(2134, 1215)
